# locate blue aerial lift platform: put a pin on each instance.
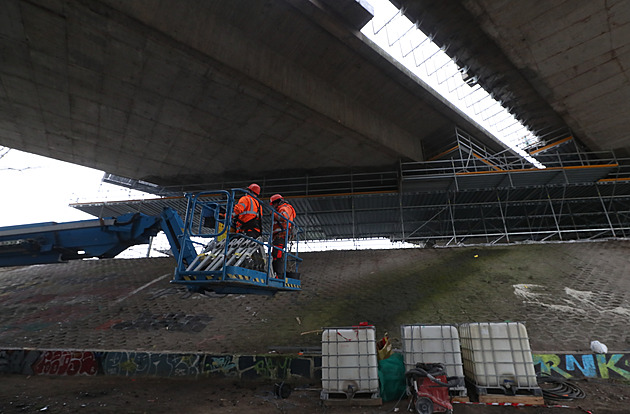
(229, 262)
(208, 255)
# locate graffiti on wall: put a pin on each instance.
(150, 364)
(18, 361)
(122, 363)
(584, 365)
(252, 367)
(66, 363)
(277, 367)
(224, 366)
(49, 362)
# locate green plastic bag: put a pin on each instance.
(391, 376)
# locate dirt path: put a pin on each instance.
(22, 394)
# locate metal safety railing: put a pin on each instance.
(226, 256)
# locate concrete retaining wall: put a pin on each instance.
(252, 367)
(130, 363)
(614, 366)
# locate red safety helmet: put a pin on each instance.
(274, 198)
(254, 188)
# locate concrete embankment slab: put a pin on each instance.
(567, 294)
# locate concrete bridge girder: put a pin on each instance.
(167, 94)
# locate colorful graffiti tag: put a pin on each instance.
(584, 365)
(64, 362)
(121, 363)
(48, 362)
(220, 365)
(273, 367)
(150, 364)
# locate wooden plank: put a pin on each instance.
(515, 399)
(354, 402)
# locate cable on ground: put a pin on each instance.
(559, 389)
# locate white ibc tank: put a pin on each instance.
(497, 355)
(432, 344)
(349, 362)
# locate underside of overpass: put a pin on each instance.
(290, 94)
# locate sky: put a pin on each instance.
(38, 189)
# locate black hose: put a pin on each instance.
(559, 389)
(431, 371)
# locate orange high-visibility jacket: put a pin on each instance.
(287, 211)
(247, 208)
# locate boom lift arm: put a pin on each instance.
(226, 262)
(52, 242)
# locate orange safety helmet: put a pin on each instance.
(274, 198)
(254, 188)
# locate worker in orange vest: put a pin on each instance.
(283, 230)
(247, 213)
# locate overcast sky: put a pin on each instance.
(38, 189)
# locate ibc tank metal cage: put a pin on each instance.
(497, 358)
(431, 344)
(349, 363)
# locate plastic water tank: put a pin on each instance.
(349, 362)
(497, 355)
(431, 344)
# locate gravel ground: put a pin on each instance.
(22, 394)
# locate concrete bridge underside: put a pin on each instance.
(174, 93)
(182, 94)
(177, 93)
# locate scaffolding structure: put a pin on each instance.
(465, 194)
